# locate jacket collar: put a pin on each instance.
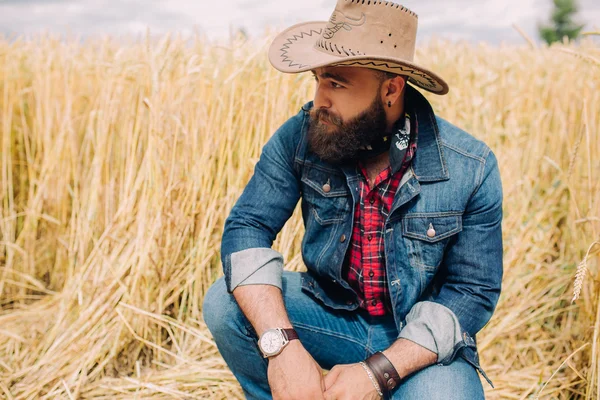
(428, 163)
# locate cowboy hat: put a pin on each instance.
(360, 33)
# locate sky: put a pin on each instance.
(486, 20)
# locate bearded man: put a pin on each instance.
(402, 214)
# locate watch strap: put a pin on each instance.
(290, 334)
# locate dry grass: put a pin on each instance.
(119, 163)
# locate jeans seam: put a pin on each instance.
(327, 332)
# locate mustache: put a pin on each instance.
(317, 114)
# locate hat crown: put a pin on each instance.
(367, 27)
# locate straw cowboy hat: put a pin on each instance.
(360, 33)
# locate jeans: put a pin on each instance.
(332, 337)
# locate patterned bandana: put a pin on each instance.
(400, 141)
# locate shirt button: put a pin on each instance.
(342, 238)
(374, 302)
(371, 273)
(369, 237)
(372, 200)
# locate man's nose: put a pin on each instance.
(321, 100)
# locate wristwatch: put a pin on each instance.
(272, 341)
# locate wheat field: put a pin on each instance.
(119, 162)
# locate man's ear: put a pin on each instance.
(394, 88)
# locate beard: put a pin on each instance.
(340, 141)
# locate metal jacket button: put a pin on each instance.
(327, 187)
(342, 238)
(431, 231)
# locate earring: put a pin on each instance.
(389, 104)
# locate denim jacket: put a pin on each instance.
(443, 287)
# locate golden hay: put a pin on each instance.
(119, 163)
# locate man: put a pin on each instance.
(403, 242)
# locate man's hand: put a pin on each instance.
(294, 374)
(349, 382)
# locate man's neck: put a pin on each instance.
(375, 165)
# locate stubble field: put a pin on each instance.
(120, 161)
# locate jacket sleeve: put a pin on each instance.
(473, 270)
(266, 203)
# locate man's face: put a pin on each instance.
(348, 112)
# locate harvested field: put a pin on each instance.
(120, 161)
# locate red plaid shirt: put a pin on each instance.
(365, 266)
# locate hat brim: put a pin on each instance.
(293, 51)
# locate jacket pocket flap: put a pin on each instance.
(325, 182)
(431, 228)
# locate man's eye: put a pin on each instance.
(336, 85)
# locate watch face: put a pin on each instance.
(271, 342)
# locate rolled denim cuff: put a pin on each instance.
(434, 327)
(256, 266)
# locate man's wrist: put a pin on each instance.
(289, 354)
(372, 378)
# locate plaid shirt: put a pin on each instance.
(364, 269)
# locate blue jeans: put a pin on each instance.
(332, 337)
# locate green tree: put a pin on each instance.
(562, 23)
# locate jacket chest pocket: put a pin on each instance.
(326, 193)
(426, 237)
